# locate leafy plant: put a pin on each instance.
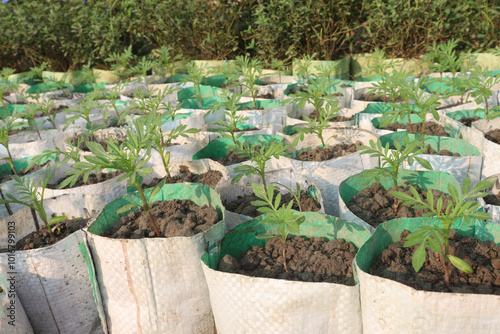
(82, 111)
(392, 160)
(304, 67)
(437, 238)
(378, 65)
(121, 63)
(481, 84)
(37, 72)
(227, 69)
(167, 61)
(141, 70)
(325, 105)
(87, 76)
(160, 141)
(278, 65)
(32, 196)
(424, 103)
(296, 194)
(251, 71)
(284, 218)
(259, 156)
(112, 95)
(327, 69)
(130, 157)
(7, 125)
(60, 83)
(229, 125)
(196, 76)
(388, 87)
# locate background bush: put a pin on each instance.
(70, 33)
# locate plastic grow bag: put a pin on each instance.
(425, 180)
(13, 319)
(490, 149)
(327, 175)
(469, 163)
(206, 92)
(274, 113)
(154, 285)
(53, 285)
(453, 119)
(391, 307)
(285, 176)
(244, 304)
(492, 210)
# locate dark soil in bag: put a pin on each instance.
(336, 151)
(210, 178)
(93, 179)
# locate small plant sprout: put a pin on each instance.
(167, 61)
(437, 238)
(304, 67)
(229, 125)
(278, 65)
(29, 113)
(130, 157)
(61, 83)
(111, 96)
(482, 83)
(295, 194)
(284, 218)
(424, 103)
(7, 125)
(227, 70)
(388, 87)
(160, 141)
(87, 76)
(259, 156)
(31, 195)
(4, 87)
(120, 66)
(378, 65)
(250, 71)
(6, 72)
(325, 105)
(156, 104)
(82, 111)
(142, 68)
(37, 72)
(328, 69)
(196, 76)
(392, 160)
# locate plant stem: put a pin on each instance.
(11, 161)
(284, 259)
(37, 130)
(486, 111)
(146, 208)
(446, 232)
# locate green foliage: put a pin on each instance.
(59, 83)
(325, 104)
(444, 57)
(389, 86)
(295, 194)
(284, 218)
(228, 125)
(196, 76)
(304, 67)
(111, 95)
(481, 84)
(391, 160)
(120, 63)
(378, 65)
(278, 65)
(30, 194)
(259, 156)
(7, 125)
(82, 110)
(250, 71)
(167, 61)
(463, 205)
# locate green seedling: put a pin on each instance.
(481, 85)
(196, 76)
(7, 125)
(259, 156)
(296, 194)
(82, 111)
(424, 102)
(328, 69)
(278, 65)
(389, 86)
(304, 67)
(111, 96)
(129, 157)
(4, 87)
(227, 70)
(251, 72)
(378, 65)
(167, 62)
(60, 83)
(37, 72)
(141, 70)
(121, 62)
(326, 106)
(32, 196)
(160, 141)
(463, 205)
(283, 218)
(87, 76)
(392, 160)
(228, 126)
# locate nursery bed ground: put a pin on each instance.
(41, 238)
(332, 152)
(494, 136)
(175, 218)
(210, 178)
(395, 263)
(376, 205)
(93, 179)
(242, 205)
(308, 260)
